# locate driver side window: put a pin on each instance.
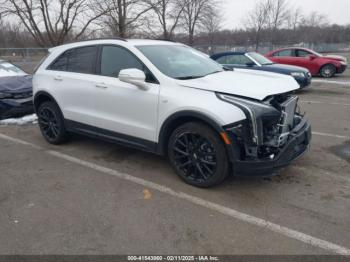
(303, 53)
(115, 58)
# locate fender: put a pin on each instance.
(37, 99)
(182, 117)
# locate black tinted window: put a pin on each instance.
(82, 60)
(60, 64)
(79, 60)
(114, 59)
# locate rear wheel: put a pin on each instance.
(51, 123)
(328, 71)
(198, 155)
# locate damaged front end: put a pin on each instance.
(274, 133)
(15, 96)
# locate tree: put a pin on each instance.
(258, 20)
(278, 13)
(122, 17)
(194, 15)
(211, 24)
(52, 22)
(295, 18)
(168, 14)
(278, 17)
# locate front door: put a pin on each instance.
(121, 108)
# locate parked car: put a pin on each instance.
(15, 91)
(170, 99)
(324, 65)
(255, 61)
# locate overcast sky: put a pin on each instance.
(338, 11)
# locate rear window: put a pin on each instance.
(283, 53)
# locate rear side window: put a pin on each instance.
(60, 64)
(283, 53)
(79, 60)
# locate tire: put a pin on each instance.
(198, 155)
(328, 71)
(51, 123)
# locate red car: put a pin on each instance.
(324, 65)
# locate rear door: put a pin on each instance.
(72, 76)
(285, 56)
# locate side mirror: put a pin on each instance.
(312, 57)
(250, 64)
(135, 77)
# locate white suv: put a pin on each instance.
(170, 99)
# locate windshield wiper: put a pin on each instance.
(194, 77)
(187, 77)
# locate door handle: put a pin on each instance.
(58, 78)
(101, 85)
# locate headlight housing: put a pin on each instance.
(297, 74)
(258, 114)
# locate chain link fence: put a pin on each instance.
(25, 58)
(266, 47)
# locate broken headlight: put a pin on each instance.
(263, 118)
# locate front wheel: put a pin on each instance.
(198, 155)
(328, 71)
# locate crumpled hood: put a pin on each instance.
(16, 84)
(246, 83)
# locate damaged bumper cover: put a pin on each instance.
(298, 143)
(272, 136)
(15, 107)
(16, 95)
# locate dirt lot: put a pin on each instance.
(90, 197)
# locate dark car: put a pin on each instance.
(16, 91)
(255, 61)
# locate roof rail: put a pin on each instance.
(166, 40)
(102, 38)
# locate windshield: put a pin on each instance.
(262, 60)
(180, 62)
(7, 69)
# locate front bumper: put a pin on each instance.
(297, 145)
(342, 69)
(15, 107)
(304, 81)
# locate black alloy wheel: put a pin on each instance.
(51, 123)
(198, 155)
